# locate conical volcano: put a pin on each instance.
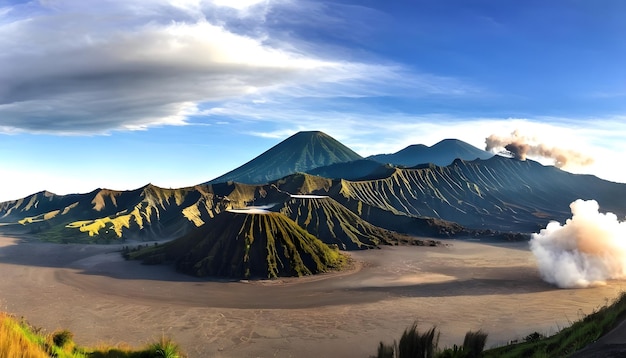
(301, 152)
(247, 245)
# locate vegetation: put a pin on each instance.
(20, 340)
(570, 339)
(414, 344)
(333, 223)
(563, 344)
(240, 245)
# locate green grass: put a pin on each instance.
(19, 339)
(570, 339)
(563, 344)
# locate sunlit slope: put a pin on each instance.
(247, 245)
(299, 153)
(498, 193)
(334, 224)
(392, 223)
(321, 216)
(145, 213)
(442, 153)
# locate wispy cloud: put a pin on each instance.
(72, 68)
(370, 131)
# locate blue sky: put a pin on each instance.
(118, 94)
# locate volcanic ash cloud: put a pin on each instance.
(588, 250)
(521, 146)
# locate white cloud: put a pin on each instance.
(238, 4)
(70, 67)
(369, 131)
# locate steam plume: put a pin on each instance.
(521, 146)
(588, 250)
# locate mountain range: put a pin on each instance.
(442, 153)
(310, 183)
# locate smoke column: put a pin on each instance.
(521, 146)
(588, 250)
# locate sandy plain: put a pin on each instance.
(463, 286)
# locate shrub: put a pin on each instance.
(534, 337)
(62, 338)
(413, 344)
(474, 343)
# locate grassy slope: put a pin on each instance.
(104, 215)
(18, 339)
(246, 245)
(570, 339)
(335, 224)
(563, 344)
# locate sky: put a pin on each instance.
(121, 93)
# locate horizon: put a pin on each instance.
(176, 93)
(503, 153)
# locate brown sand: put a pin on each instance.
(92, 291)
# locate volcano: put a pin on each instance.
(301, 152)
(241, 245)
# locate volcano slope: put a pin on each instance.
(301, 152)
(241, 245)
(149, 213)
(335, 224)
(495, 194)
(464, 198)
(476, 197)
(104, 215)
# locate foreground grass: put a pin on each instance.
(563, 344)
(414, 344)
(20, 340)
(570, 339)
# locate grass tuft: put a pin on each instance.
(165, 348)
(20, 340)
(412, 344)
(62, 338)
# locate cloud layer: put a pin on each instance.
(72, 67)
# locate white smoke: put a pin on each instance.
(588, 250)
